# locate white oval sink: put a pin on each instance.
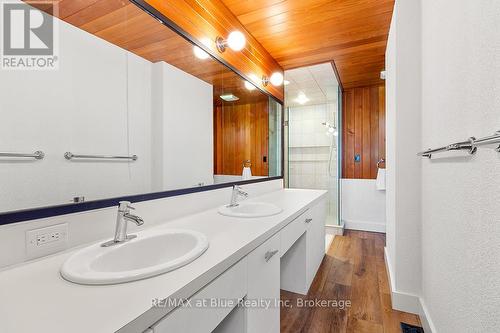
(151, 253)
(250, 209)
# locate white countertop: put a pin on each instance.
(35, 298)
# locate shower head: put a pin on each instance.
(330, 129)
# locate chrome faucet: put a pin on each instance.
(237, 192)
(122, 218)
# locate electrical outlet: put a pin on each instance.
(45, 241)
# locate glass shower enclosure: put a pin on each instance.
(312, 133)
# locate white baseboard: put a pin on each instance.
(335, 229)
(364, 225)
(408, 302)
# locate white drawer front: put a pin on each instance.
(230, 285)
(264, 284)
(293, 231)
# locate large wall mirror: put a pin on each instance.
(133, 108)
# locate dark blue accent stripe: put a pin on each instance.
(43, 212)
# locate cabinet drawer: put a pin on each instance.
(230, 285)
(264, 284)
(293, 231)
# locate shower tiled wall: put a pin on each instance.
(309, 150)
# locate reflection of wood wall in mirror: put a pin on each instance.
(363, 128)
(124, 24)
(241, 132)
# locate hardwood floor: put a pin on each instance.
(352, 270)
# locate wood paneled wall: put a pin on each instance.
(241, 132)
(363, 124)
(208, 19)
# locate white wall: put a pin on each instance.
(363, 206)
(443, 66)
(183, 147)
(461, 196)
(403, 141)
(97, 102)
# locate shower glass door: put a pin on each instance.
(312, 134)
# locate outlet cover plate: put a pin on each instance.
(45, 241)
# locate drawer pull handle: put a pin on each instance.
(309, 220)
(270, 254)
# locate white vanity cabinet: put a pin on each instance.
(303, 248)
(264, 286)
(288, 260)
(315, 240)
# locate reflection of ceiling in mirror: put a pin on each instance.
(311, 85)
(124, 24)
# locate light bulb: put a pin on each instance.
(276, 79)
(236, 41)
(199, 53)
(249, 86)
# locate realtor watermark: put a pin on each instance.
(258, 303)
(29, 36)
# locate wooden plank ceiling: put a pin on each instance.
(122, 23)
(297, 33)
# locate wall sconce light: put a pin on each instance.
(236, 42)
(276, 79)
(265, 80)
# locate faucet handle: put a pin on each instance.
(125, 205)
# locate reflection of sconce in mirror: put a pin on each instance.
(250, 86)
(236, 42)
(199, 52)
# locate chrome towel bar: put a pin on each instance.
(470, 145)
(69, 156)
(36, 155)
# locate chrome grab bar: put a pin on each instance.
(470, 145)
(69, 156)
(36, 155)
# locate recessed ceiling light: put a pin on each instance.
(229, 97)
(301, 98)
(249, 86)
